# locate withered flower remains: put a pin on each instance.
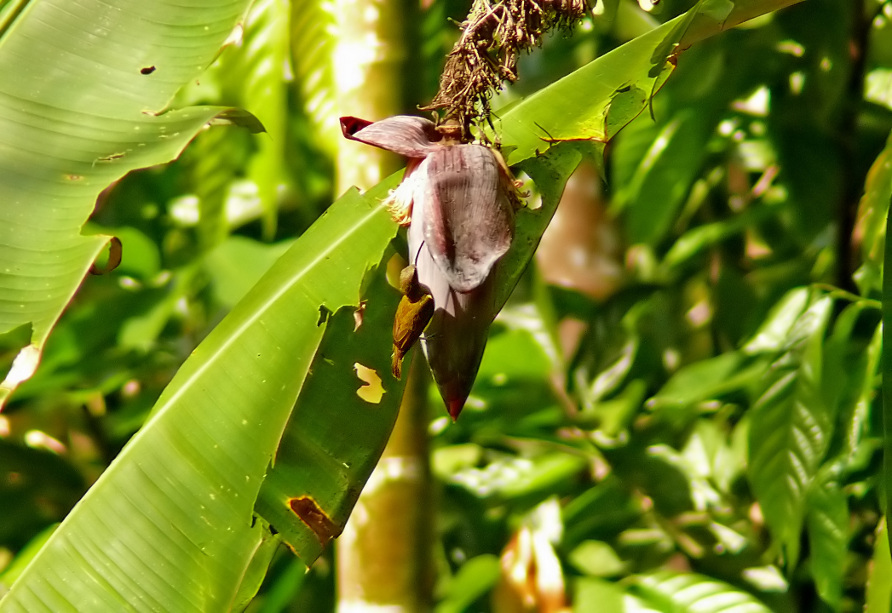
(458, 201)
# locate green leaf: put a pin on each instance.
(213, 161)
(516, 354)
(707, 379)
(265, 88)
(682, 593)
(475, 577)
(879, 583)
(577, 107)
(338, 429)
(313, 40)
(613, 417)
(23, 558)
(790, 431)
(590, 106)
(872, 210)
(284, 582)
(599, 595)
(854, 418)
(698, 239)
(596, 559)
(255, 572)
(887, 366)
(550, 173)
(661, 183)
(717, 459)
(719, 10)
(827, 521)
(851, 365)
(169, 525)
(775, 333)
(513, 477)
(600, 512)
(253, 76)
(236, 265)
(82, 102)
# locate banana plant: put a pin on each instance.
(269, 430)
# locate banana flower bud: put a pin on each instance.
(458, 201)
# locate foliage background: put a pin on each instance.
(678, 408)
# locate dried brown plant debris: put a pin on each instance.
(493, 35)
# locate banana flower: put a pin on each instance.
(458, 201)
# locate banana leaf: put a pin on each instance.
(83, 101)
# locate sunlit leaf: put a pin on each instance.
(879, 583)
(869, 228)
(596, 559)
(776, 332)
(855, 415)
(790, 431)
(599, 595)
(336, 432)
(683, 593)
(77, 113)
(265, 87)
(576, 108)
(827, 520)
(179, 499)
(254, 74)
(312, 48)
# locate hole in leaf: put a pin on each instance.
(358, 315)
(324, 314)
(372, 391)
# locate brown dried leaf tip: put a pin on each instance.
(493, 36)
(115, 255)
(312, 515)
(459, 201)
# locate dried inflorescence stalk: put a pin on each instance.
(485, 56)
